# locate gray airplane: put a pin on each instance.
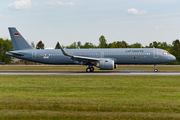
(105, 59)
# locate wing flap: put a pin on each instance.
(85, 58)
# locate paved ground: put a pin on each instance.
(143, 73)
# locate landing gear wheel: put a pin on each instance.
(88, 70)
(92, 69)
(155, 70)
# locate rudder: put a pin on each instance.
(19, 43)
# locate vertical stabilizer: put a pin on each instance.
(19, 43)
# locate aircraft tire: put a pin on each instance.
(88, 70)
(155, 70)
(92, 69)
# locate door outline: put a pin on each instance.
(101, 54)
(34, 54)
(155, 53)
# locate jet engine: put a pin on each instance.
(106, 65)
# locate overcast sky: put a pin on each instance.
(69, 21)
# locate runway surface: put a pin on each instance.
(120, 73)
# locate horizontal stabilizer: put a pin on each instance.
(17, 54)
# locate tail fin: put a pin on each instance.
(19, 43)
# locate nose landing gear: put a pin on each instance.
(155, 70)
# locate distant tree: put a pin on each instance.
(125, 44)
(88, 45)
(164, 45)
(40, 45)
(57, 46)
(120, 44)
(72, 46)
(150, 45)
(136, 45)
(79, 44)
(32, 44)
(1, 50)
(155, 45)
(113, 45)
(176, 50)
(6, 45)
(63, 46)
(102, 42)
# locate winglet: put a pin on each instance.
(64, 52)
(78, 47)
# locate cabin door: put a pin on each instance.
(34, 55)
(155, 53)
(101, 54)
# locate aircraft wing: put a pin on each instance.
(81, 58)
(85, 58)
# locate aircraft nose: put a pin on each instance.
(173, 58)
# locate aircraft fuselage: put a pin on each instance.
(105, 59)
(120, 56)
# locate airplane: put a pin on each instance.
(105, 59)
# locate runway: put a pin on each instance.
(81, 73)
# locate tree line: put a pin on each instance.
(5, 45)
(174, 48)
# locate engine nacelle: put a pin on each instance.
(106, 65)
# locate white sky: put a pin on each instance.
(69, 21)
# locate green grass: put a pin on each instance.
(83, 68)
(90, 97)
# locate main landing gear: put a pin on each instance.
(155, 70)
(90, 69)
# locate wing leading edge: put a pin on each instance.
(85, 60)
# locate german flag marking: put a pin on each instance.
(16, 34)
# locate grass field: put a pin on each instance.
(83, 68)
(90, 97)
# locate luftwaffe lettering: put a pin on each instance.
(128, 51)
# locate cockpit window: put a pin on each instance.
(166, 53)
